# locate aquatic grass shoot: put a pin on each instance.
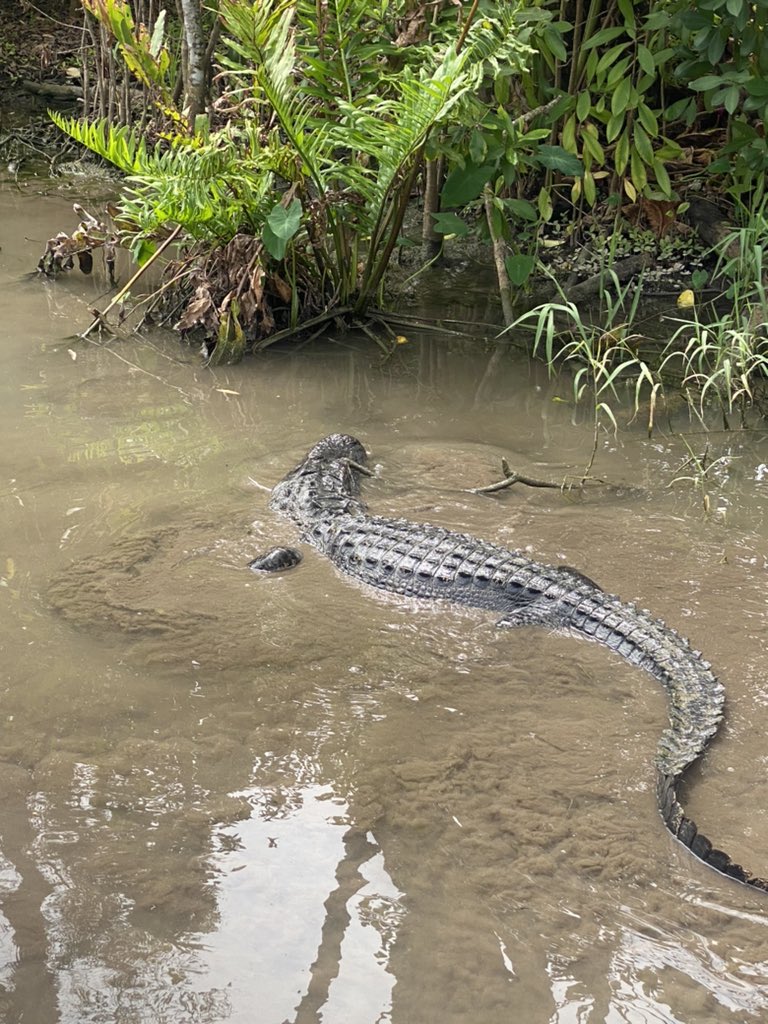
(601, 356)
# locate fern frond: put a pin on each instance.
(262, 36)
(122, 146)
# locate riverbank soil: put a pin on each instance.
(40, 56)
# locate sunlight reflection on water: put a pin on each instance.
(331, 926)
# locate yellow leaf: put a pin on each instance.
(10, 569)
(686, 299)
(401, 340)
(630, 189)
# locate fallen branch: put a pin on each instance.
(512, 477)
(53, 89)
(623, 271)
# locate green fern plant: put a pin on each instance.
(319, 160)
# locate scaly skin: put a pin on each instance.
(322, 496)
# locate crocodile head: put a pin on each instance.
(337, 446)
(326, 481)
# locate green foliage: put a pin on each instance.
(722, 354)
(349, 138)
(145, 55)
(450, 224)
(212, 190)
(600, 357)
(318, 162)
(281, 225)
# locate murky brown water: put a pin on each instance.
(291, 800)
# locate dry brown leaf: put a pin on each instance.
(281, 287)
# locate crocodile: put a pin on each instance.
(322, 497)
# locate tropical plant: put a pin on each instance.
(319, 154)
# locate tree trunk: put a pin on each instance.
(431, 241)
(196, 75)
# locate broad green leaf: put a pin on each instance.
(669, 150)
(621, 153)
(628, 13)
(464, 184)
(569, 135)
(645, 59)
(449, 224)
(610, 57)
(284, 221)
(648, 119)
(519, 267)
(731, 98)
(589, 188)
(637, 171)
(605, 35)
(143, 250)
(662, 177)
(614, 126)
(275, 246)
(643, 143)
(545, 204)
(681, 109)
(591, 144)
(620, 98)
(521, 208)
(554, 41)
(478, 147)
(122, 27)
(703, 84)
(583, 105)
(617, 73)
(716, 47)
(555, 158)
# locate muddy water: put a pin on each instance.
(224, 798)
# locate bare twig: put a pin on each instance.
(514, 478)
(99, 318)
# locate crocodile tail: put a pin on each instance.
(684, 829)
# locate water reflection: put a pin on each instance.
(325, 930)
